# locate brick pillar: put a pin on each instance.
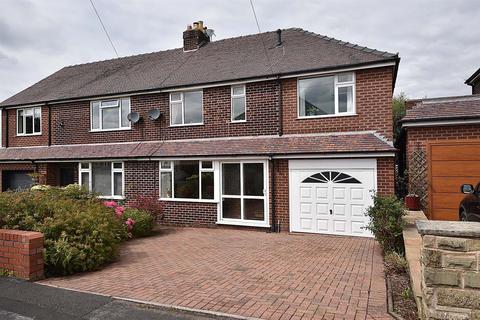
(21, 252)
(450, 261)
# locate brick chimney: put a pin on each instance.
(195, 37)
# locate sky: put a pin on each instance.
(438, 41)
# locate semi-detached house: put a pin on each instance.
(285, 129)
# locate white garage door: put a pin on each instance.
(330, 196)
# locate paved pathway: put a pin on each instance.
(247, 273)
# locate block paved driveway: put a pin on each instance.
(247, 273)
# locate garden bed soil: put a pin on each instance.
(403, 299)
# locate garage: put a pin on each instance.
(331, 196)
(15, 180)
(452, 163)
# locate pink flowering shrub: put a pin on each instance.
(148, 203)
(139, 223)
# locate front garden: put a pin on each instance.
(82, 232)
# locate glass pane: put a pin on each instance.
(317, 96)
(207, 185)
(85, 165)
(345, 77)
(125, 111)
(175, 97)
(238, 109)
(166, 185)
(117, 184)
(111, 103)
(96, 115)
(193, 107)
(110, 118)
(231, 178)
(20, 122)
(253, 209)
(345, 99)
(37, 116)
(29, 124)
(102, 178)
(117, 165)
(207, 164)
(165, 164)
(186, 179)
(176, 113)
(238, 90)
(85, 180)
(231, 208)
(253, 179)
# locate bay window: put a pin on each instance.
(29, 121)
(326, 95)
(187, 179)
(186, 108)
(104, 178)
(110, 114)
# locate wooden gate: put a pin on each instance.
(451, 164)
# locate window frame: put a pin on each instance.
(100, 114)
(266, 200)
(232, 96)
(24, 122)
(182, 97)
(113, 171)
(171, 169)
(336, 85)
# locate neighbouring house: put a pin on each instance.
(442, 151)
(286, 130)
(474, 82)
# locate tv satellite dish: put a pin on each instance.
(154, 114)
(133, 117)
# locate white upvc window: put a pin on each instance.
(326, 96)
(29, 121)
(186, 108)
(109, 115)
(188, 180)
(105, 178)
(244, 193)
(239, 103)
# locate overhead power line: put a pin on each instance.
(259, 31)
(104, 28)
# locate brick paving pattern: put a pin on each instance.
(247, 273)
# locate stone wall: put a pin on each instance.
(450, 264)
(21, 252)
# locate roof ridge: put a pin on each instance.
(472, 97)
(348, 44)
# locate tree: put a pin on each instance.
(399, 109)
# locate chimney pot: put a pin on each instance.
(279, 37)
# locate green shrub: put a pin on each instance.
(386, 222)
(81, 234)
(143, 221)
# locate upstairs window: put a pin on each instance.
(326, 96)
(239, 104)
(186, 108)
(110, 114)
(29, 121)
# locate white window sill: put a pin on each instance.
(188, 200)
(328, 116)
(28, 134)
(244, 223)
(187, 125)
(239, 121)
(107, 130)
(112, 197)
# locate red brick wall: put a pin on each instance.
(373, 107)
(262, 118)
(22, 253)
(386, 176)
(25, 141)
(282, 195)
